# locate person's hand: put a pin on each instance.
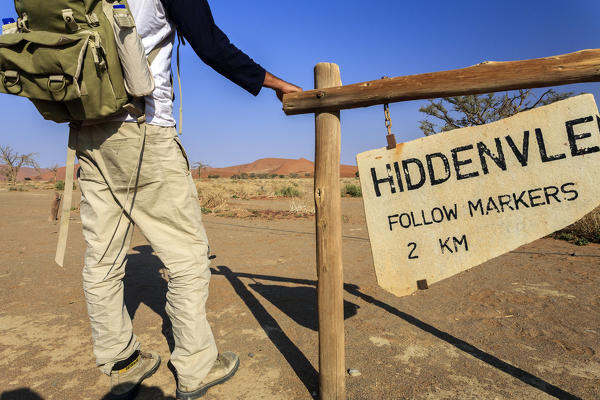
(280, 86)
(285, 89)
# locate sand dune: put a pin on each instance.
(278, 166)
(43, 174)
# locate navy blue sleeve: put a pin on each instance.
(195, 22)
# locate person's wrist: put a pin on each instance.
(280, 86)
(270, 81)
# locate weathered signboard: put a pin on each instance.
(442, 204)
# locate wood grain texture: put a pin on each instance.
(486, 77)
(329, 243)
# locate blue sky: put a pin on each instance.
(224, 125)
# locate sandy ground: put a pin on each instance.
(525, 325)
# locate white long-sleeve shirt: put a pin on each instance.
(197, 25)
(154, 27)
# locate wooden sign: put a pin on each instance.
(442, 204)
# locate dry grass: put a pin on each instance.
(262, 214)
(304, 206)
(215, 200)
(261, 188)
(214, 195)
(245, 189)
(586, 229)
(25, 186)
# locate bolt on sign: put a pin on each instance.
(442, 204)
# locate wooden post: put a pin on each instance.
(54, 207)
(329, 242)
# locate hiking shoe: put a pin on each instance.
(128, 374)
(224, 368)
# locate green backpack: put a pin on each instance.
(75, 60)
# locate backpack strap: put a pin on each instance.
(67, 198)
(180, 41)
(136, 107)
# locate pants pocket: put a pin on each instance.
(121, 159)
(184, 154)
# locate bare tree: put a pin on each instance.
(14, 161)
(54, 169)
(200, 166)
(461, 111)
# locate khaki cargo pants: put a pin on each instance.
(165, 208)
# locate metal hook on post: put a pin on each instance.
(391, 139)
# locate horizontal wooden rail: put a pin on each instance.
(489, 76)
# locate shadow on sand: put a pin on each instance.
(144, 284)
(354, 290)
(20, 394)
(144, 392)
(297, 302)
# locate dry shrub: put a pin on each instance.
(587, 227)
(214, 200)
(288, 191)
(352, 190)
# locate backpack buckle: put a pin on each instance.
(23, 22)
(56, 84)
(11, 78)
(92, 19)
(67, 15)
(97, 52)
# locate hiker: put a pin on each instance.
(158, 195)
(165, 208)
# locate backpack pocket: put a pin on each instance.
(136, 71)
(64, 75)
